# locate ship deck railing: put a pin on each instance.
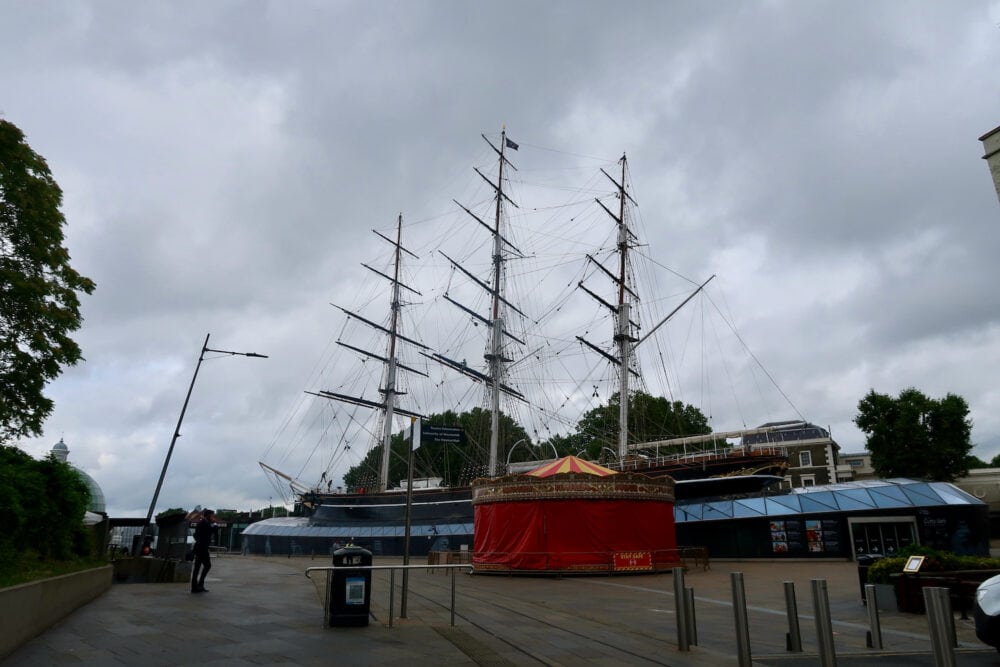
(700, 456)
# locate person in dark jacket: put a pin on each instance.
(203, 532)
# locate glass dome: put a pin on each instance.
(61, 452)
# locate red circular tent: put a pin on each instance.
(572, 515)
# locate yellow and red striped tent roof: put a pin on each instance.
(570, 464)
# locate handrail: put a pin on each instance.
(392, 582)
(330, 568)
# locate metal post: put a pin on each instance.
(326, 598)
(875, 634)
(392, 594)
(949, 614)
(177, 429)
(824, 625)
(453, 597)
(793, 640)
(680, 609)
(941, 642)
(414, 443)
(742, 624)
(692, 624)
(173, 440)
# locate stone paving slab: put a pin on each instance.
(263, 611)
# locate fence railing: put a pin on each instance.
(329, 569)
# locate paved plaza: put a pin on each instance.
(264, 611)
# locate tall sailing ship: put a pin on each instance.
(375, 513)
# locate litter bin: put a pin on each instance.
(864, 562)
(350, 590)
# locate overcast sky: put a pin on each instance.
(223, 164)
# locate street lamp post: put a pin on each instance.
(177, 430)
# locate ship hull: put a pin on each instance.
(443, 519)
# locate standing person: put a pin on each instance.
(203, 532)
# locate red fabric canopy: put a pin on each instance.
(590, 520)
(572, 535)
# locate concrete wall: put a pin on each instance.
(29, 609)
(983, 483)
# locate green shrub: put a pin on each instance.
(42, 505)
(934, 561)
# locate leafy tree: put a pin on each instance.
(995, 462)
(975, 463)
(916, 436)
(43, 507)
(575, 444)
(39, 304)
(650, 418)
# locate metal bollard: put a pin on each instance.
(692, 621)
(453, 597)
(402, 594)
(742, 625)
(875, 632)
(680, 608)
(938, 609)
(793, 639)
(824, 625)
(392, 594)
(326, 599)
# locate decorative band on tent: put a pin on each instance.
(622, 486)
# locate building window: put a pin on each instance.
(856, 463)
(808, 480)
(805, 459)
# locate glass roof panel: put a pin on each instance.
(826, 499)
(722, 509)
(922, 494)
(747, 507)
(892, 491)
(690, 512)
(889, 496)
(848, 503)
(954, 495)
(455, 529)
(811, 504)
(789, 502)
(775, 508)
(855, 499)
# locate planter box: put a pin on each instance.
(29, 609)
(962, 584)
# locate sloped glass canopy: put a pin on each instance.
(844, 496)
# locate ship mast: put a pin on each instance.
(621, 309)
(626, 329)
(390, 371)
(623, 333)
(496, 361)
(495, 358)
(388, 404)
